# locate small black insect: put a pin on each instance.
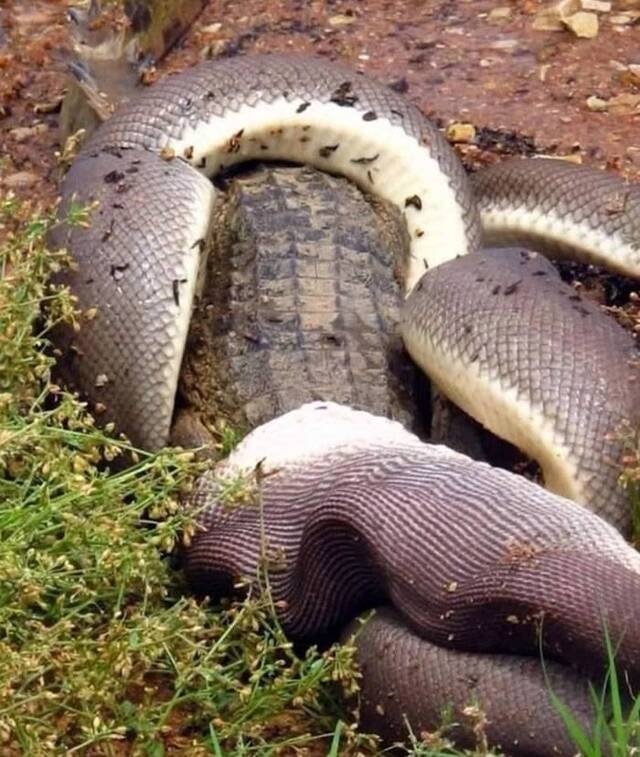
(108, 232)
(370, 115)
(176, 289)
(115, 151)
(365, 161)
(414, 201)
(512, 288)
(326, 151)
(116, 269)
(344, 96)
(302, 107)
(113, 177)
(400, 85)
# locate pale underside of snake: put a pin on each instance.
(559, 387)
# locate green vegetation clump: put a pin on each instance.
(102, 651)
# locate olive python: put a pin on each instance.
(369, 506)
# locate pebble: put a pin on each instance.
(624, 19)
(23, 133)
(460, 132)
(624, 104)
(552, 18)
(497, 15)
(583, 24)
(341, 20)
(596, 104)
(596, 5)
(504, 44)
(21, 180)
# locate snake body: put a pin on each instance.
(353, 511)
(140, 267)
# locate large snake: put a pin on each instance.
(369, 506)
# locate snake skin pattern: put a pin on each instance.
(212, 116)
(360, 513)
(472, 558)
(566, 210)
(132, 284)
(402, 673)
(547, 353)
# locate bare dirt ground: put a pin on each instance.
(477, 61)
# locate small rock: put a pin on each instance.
(505, 44)
(574, 157)
(214, 49)
(543, 71)
(630, 75)
(596, 104)
(212, 28)
(21, 180)
(601, 6)
(341, 20)
(460, 132)
(624, 104)
(583, 24)
(498, 15)
(633, 153)
(624, 19)
(552, 18)
(23, 133)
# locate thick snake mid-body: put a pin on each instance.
(470, 557)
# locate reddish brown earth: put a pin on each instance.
(456, 59)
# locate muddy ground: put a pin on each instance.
(478, 61)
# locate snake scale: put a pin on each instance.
(472, 559)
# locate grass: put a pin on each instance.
(616, 727)
(102, 651)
